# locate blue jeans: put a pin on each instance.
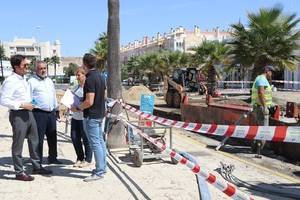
(97, 143)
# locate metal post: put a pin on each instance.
(222, 143)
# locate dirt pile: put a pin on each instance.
(134, 93)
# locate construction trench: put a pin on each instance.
(231, 113)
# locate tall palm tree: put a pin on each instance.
(270, 38)
(115, 137)
(113, 35)
(2, 56)
(47, 61)
(55, 60)
(100, 50)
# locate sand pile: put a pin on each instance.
(134, 93)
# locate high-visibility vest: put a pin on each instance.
(267, 94)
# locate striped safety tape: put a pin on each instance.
(235, 81)
(268, 133)
(222, 185)
(273, 81)
(290, 82)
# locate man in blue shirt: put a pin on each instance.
(15, 96)
(45, 107)
(261, 100)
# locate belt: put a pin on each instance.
(40, 110)
(21, 110)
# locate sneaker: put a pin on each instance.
(77, 163)
(93, 177)
(84, 164)
(24, 177)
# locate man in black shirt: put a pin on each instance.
(93, 106)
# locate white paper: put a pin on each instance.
(70, 99)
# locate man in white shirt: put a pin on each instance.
(45, 106)
(15, 95)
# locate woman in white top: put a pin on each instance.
(78, 134)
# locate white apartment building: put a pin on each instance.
(183, 40)
(7, 69)
(31, 48)
(293, 75)
(178, 39)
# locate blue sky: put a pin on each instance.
(77, 24)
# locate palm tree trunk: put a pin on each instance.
(115, 137)
(1, 68)
(212, 80)
(55, 72)
(114, 78)
(47, 69)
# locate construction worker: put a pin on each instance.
(261, 100)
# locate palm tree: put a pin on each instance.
(209, 55)
(133, 66)
(70, 70)
(270, 39)
(100, 50)
(47, 61)
(31, 67)
(115, 137)
(55, 60)
(2, 56)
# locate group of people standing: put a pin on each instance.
(33, 111)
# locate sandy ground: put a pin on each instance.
(156, 179)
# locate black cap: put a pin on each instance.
(269, 68)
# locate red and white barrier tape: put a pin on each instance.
(281, 81)
(286, 89)
(235, 81)
(273, 81)
(268, 133)
(222, 185)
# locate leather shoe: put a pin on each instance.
(24, 177)
(54, 162)
(42, 171)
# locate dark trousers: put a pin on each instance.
(46, 125)
(24, 126)
(79, 136)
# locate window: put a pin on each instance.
(30, 49)
(21, 49)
